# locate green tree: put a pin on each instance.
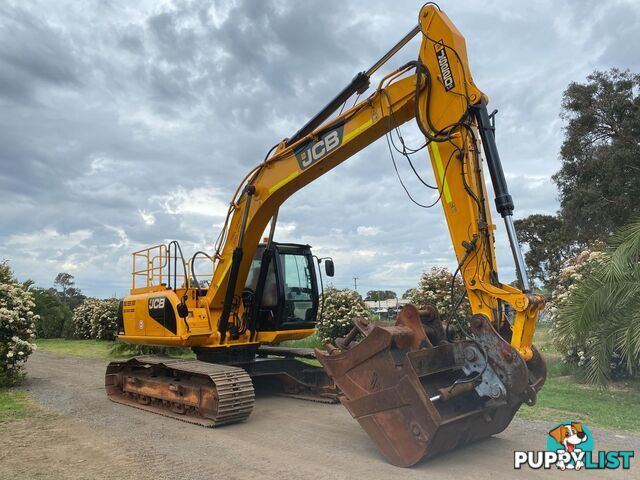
(599, 180)
(549, 245)
(407, 293)
(376, 295)
(600, 311)
(55, 318)
(69, 294)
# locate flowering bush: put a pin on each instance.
(82, 316)
(564, 283)
(340, 306)
(573, 349)
(596, 309)
(435, 289)
(16, 327)
(96, 319)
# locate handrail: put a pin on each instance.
(176, 249)
(195, 278)
(152, 267)
(152, 272)
(159, 266)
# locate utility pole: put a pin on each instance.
(355, 283)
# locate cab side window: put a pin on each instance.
(298, 289)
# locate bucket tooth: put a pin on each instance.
(416, 394)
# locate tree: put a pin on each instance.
(16, 327)
(380, 295)
(549, 245)
(70, 296)
(55, 318)
(64, 281)
(599, 180)
(407, 293)
(599, 313)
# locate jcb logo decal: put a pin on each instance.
(157, 303)
(445, 68)
(314, 151)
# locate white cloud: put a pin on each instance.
(200, 201)
(69, 266)
(147, 218)
(48, 238)
(368, 231)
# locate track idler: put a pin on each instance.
(417, 394)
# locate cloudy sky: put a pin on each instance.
(125, 124)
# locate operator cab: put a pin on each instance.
(290, 296)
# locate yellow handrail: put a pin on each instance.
(150, 264)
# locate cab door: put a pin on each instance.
(299, 289)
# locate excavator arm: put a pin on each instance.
(438, 92)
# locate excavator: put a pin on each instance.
(418, 386)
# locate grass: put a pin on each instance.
(311, 341)
(103, 349)
(14, 405)
(563, 397)
(78, 348)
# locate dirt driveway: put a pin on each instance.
(81, 434)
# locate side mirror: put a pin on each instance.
(329, 269)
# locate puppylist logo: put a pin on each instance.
(570, 446)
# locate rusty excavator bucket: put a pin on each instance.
(418, 394)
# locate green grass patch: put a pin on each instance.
(14, 404)
(121, 349)
(312, 341)
(564, 397)
(104, 350)
(100, 349)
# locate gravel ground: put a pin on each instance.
(81, 434)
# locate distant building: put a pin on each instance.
(391, 303)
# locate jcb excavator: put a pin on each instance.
(418, 386)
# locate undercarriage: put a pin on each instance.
(213, 394)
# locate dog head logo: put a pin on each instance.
(569, 435)
(569, 440)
